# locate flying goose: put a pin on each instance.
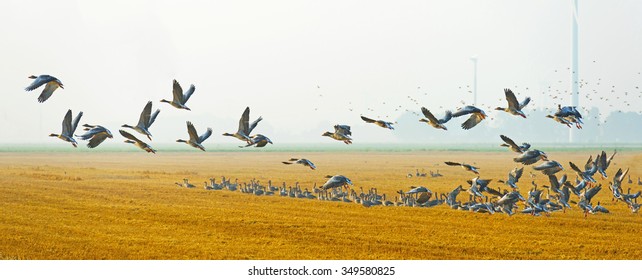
(180, 98)
(549, 167)
(434, 122)
(380, 123)
(145, 121)
(96, 134)
(512, 146)
(68, 128)
(477, 115)
(570, 114)
(133, 140)
(560, 120)
(258, 140)
(301, 161)
(466, 167)
(514, 107)
(341, 133)
(52, 83)
(245, 128)
(482, 186)
(587, 174)
(531, 156)
(195, 140)
(336, 181)
(603, 163)
(513, 177)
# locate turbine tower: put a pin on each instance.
(574, 68)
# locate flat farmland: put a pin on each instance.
(125, 205)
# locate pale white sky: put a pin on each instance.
(114, 56)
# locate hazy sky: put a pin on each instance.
(368, 56)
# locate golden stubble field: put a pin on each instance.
(125, 205)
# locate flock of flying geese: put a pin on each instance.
(482, 198)
(96, 134)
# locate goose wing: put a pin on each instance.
(66, 124)
(524, 103)
(342, 129)
(177, 92)
(429, 115)
(472, 121)
(41, 80)
(153, 118)
(145, 115)
(193, 136)
(447, 117)
(589, 163)
(205, 135)
(129, 136)
(244, 122)
(464, 111)
(97, 139)
(309, 163)
(368, 120)
(512, 100)
(452, 163)
(74, 125)
(621, 176)
(48, 91)
(575, 168)
(188, 94)
(254, 124)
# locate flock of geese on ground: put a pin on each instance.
(96, 134)
(482, 198)
(557, 196)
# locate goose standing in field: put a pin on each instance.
(380, 123)
(341, 133)
(145, 121)
(96, 134)
(549, 167)
(476, 116)
(531, 156)
(434, 122)
(513, 177)
(185, 184)
(466, 167)
(195, 140)
(245, 128)
(258, 141)
(133, 140)
(514, 107)
(336, 181)
(68, 128)
(52, 83)
(630, 181)
(301, 161)
(514, 147)
(180, 98)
